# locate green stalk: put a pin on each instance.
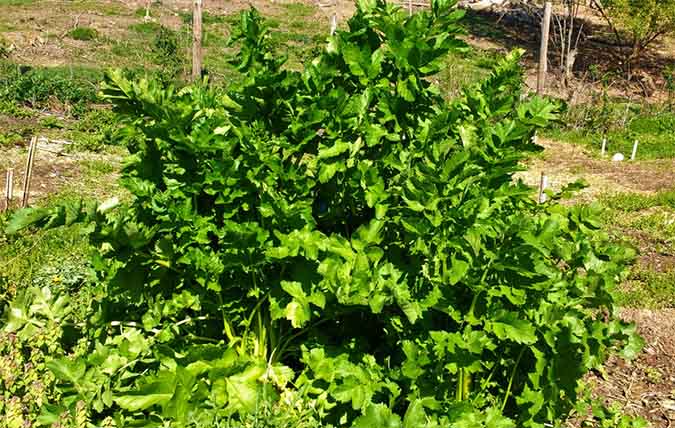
(513, 375)
(460, 385)
(466, 385)
(227, 327)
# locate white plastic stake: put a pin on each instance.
(604, 147)
(333, 24)
(543, 184)
(635, 145)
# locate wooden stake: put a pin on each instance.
(635, 146)
(410, 5)
(603, 151)
(197, 40)
(9, 188)
(543, 49)
(543, 184)
(29, 172)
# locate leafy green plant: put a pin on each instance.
(83, 33)
(343, 234)
(73, 87)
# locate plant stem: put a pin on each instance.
(513, 375)
(227, 328)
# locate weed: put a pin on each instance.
(15, 110)
(83, 33)
(52, 122)
(10, 139)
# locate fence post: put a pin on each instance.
(197, 40)
(543, 49)
(29, 172)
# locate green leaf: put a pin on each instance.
(377, 415)
(244, 390)
(68, 370)
(25, 218)
(508, 326)
(457, 270)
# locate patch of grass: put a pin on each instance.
(107, 8)
(146, 27)
(97, 167)
(629, 202)
(298, 10)
(83, 33)
(660, 223)
(622, 122)
(16, 2)
(649, 289)
(648, 223)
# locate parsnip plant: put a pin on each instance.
(342, 235)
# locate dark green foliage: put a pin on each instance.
(343, 235)
(83, 33)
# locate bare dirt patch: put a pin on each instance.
(564, 163)
(53, 173)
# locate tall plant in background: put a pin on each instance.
(636, 25)
(341, 236)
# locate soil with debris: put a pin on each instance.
(646, 386)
